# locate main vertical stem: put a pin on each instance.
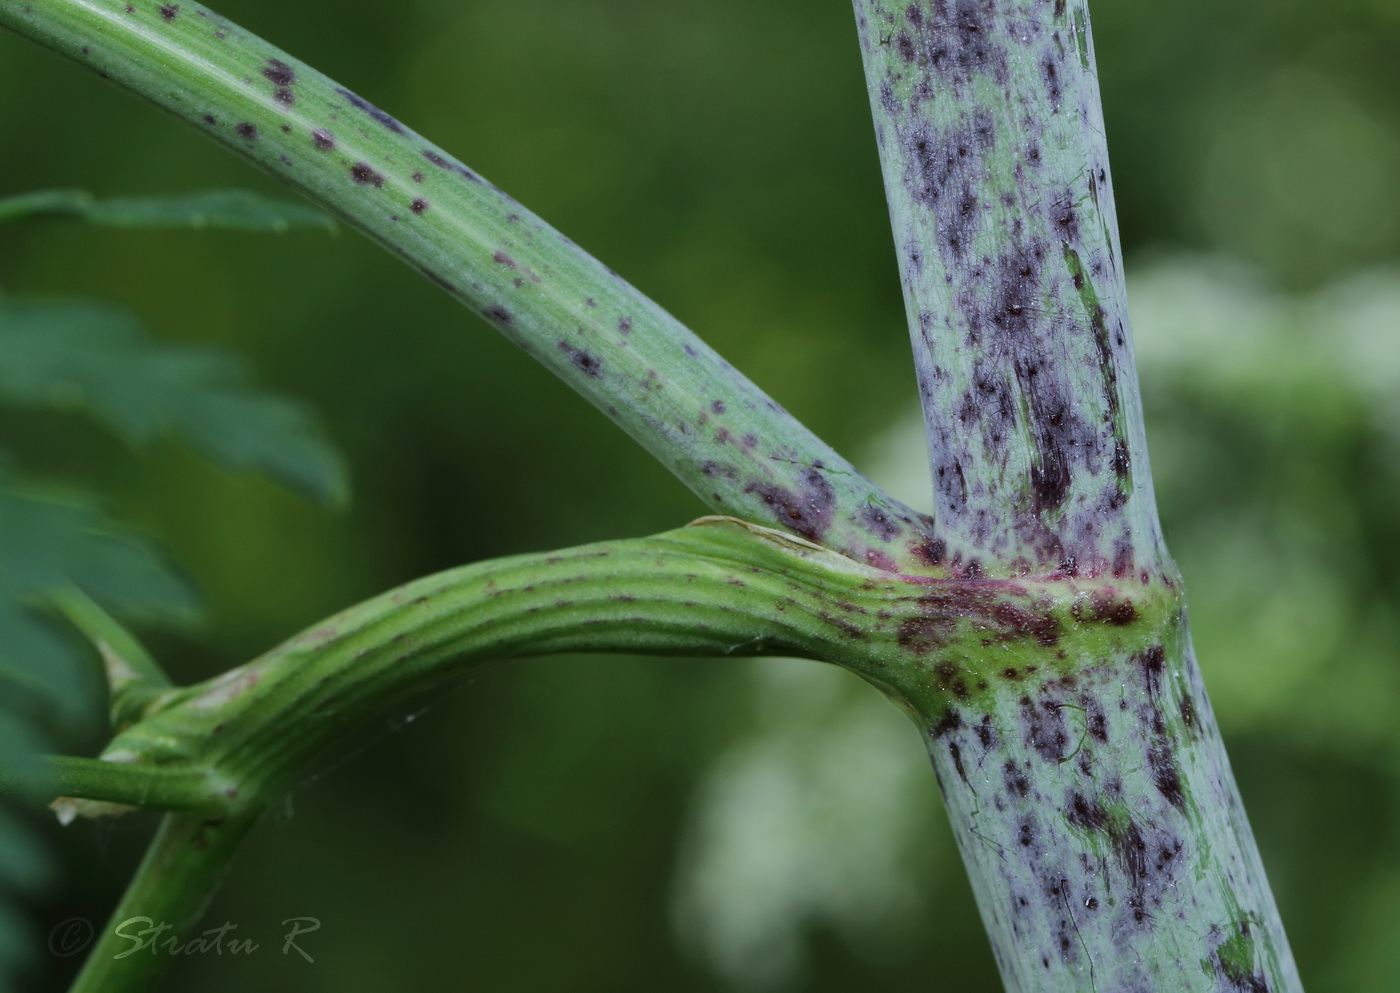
(1090, 794)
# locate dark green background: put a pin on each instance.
(525, 832)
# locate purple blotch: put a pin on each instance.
(588, 364)
(360, 103)
(364, 175)
(279, 73)
(450, 166)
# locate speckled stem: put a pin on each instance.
(1101, 827)
(991, 138)
(1070, 777)
(940, 648)
(1089, 790)
(730, 443)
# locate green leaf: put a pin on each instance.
(51, 541)
(237, 210)
(97, 358)
(23, 862)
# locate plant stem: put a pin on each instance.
(729, 442)
(996, 171)
(1094, 807)
(134, 677)
(169, 788)
(720, 587)
(188, 857)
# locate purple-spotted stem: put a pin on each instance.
(222, 751)
(733, 445)
(1094, 807)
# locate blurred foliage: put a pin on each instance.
(64, 355)
(233, 210)
(622, 824)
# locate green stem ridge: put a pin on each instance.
(730, 443)
(93, 787)
(720, 587)
(988, 121)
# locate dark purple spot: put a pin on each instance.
(499, 314)
(956, 753)
(418, 205)
(450, 166)
(168, 11)
(808, 511)
(1154, 664)
(1044, 727)
(504, 260)
(418, 177)
(718, 406)
(950, 721)
(279, 73)
(361, 104)
(1016, 780)
(922, 635)
(323, 139)
(1095, 719)
(364, 175)
(1161, 760)
(1105, 608)
(248, 132)
(929, 550)
(588, 364)
(1188, 715)
(950, 680)
(210, 119)
(878, 523)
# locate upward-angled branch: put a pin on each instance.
(729, 442)
(996, 172)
